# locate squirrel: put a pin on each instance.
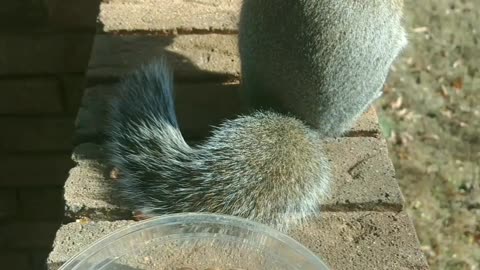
(311, 77)
(264, 166)
(325, 64)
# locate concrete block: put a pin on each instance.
(193, 57)
(364, 177)
(34, 170)
(41, 204)
(74, 237)
(360, 240)
(363, 180)
(196, 111)
(41, 53)
(88, 189)
(8, 203)
(168, 16)
(363, 240)
(366, 126)
(30, 134)
(30, 96)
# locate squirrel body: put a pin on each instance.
(324, 61)
(265, 166)
(309, 77)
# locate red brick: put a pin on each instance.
(73, 87)
(36, 133)
(34, 170)
(41, 204)
(44, 53)
(8, 203)
(15, 260)
(30, 96)
(28, 234)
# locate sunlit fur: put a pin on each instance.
(324, 61)
(265, 166)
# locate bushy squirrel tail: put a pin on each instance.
(264, 166)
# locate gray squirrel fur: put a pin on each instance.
(314, 74)
(265, 166)
(324, 61)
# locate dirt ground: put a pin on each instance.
(430, 115)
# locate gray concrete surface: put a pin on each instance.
(193, 57)
(172, 17)
(191, 99)
(353, 240)
(74, 237)
(362, 225)
(363, 180)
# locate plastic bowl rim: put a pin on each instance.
(196, 218)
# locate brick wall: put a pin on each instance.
(363, 224)
(44, 49)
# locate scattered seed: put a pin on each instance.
(115, 174)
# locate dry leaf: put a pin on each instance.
(457, 63)
(430, 136)
(447, 113)
(461, 124)
(403, 155)
(397, 103)
(411, 116)
(444, 91)
(405, 138)
(421, 29)
(393, 137)
(402, 112)
(458, 84)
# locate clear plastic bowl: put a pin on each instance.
(196, 242)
